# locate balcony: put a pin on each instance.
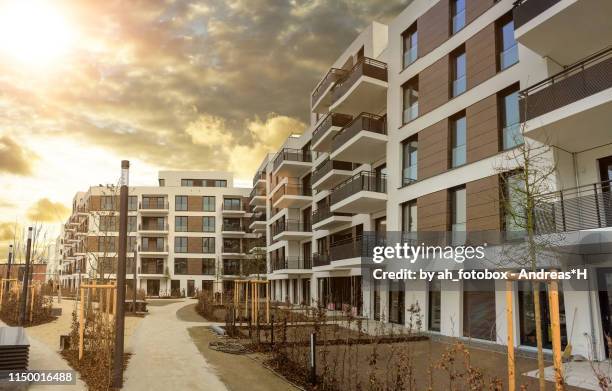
(161, 228)
(327, 128)
(323, 218)
(292, 162)
(151, 267)
(364, 140)
(576, 209)
(291, 230)
(256, 245)
(330, 173)
(320, 100)
(363, 89)
(231, 209)
(563, 30)
(319, 260)
(290, 195)
(232, 229)
(257, 222)
(346, 252)
(259, 179)
(364, 192)
(258, 196)
(153, 249)
(291, 264)
(232, 250)
(153, 206)
(579, 97)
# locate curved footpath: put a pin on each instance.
(164, 356)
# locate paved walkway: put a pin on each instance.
(165, 357)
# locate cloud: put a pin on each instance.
(45, 210)
(15, 159)
(6, 231)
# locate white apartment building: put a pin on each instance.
(408, 130)
(189, 233)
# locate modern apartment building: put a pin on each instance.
(408, 129)
(189, 233)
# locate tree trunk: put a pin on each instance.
(538, 324)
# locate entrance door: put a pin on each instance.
(152, 287)
(604, 282)
(605, 172)
(190, 288)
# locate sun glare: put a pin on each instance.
(34, 32)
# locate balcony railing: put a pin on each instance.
(331, 119)
(578, 81)
(261, 242)
(329, 165)
(153, 227)
(525, 10)
(232, 250)
(258, 192)
(320, 259)
(363, 181)
(153, 248)
(324, 213)
(291, 226)
(346, 249)
(233, 226)
(232, 270)
(259, 176)
(293, 155)
(257, 217)
(365, 67)
(330, 78)
(157, 204)
(233, 207)
(291, 189)
(151, 268)
(363, 122)
(575, 209)
(290, 263)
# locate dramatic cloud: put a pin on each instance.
(48, 211)
(14, 159)
(6, 231)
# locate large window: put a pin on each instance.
(208, 245)
(180, 203)
(133, 203)
(459, 84)
(180, 266)
(515, 204)
(208, 203)
(208, 267)
(180, 244)
(231, 204)
(409, 216)
(457, 15)
(208, 224)
(508, 49)
(107, 244)
(434, 305)
(396, 301)
(132, 223)
(410, 100)
(180, 224)
(410, 150)
(109, 223)
(510, 119)
(410, 42)
(479, 309)
(458, 140)
(152, 244)
(107, 203)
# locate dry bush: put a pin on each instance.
(41, 310)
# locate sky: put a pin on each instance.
(166, 84)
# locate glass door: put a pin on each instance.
(604, 281)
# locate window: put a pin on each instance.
(479, 309)
(220, 183)
(515, 210)
(231, 266)
(409, 216)
(107, 244)
(208, 245)
(180, 266)
(187, 182)
(410, 42)
(508, 49)
(208, 267)
(162, 182)
(180, 245)
(510, 120)
(109, 224)
(107, 203)
(434, 305)
(458, 215)
(131, 243)
(153, 244)
(457, 15)
(231, 245)
(410, 150)
(458, 141)
(180, 224)
(527, 315)
(180, 203)
(396, 301)
(132, 202)
(208, 224)
(208, 204)
(132, 222)
(149, 202)
(411, 100)
(231, 204)
(458, 72)
(203, 183)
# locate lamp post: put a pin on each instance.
(26, 280)
(120, 303)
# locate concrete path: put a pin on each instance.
(164, 356)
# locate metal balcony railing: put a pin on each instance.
(329, 165)
(151, 268)
(291, 189)
(575, 209)
(320, 259)
(291, 226)
(258, 192)
(154, 227)
(261, 217)
(324, 213)
(346, 249)
(289, 263)
(233, 226)
(331, 119)
(259, 176)
(363, 181)
(363, 122)
(152, 248)
(330, 78)
(232, 249)
(293, 155)
(364, 67)
(233, 207)
(154, 204)
(578, 81)
(525, 10)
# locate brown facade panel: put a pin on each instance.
(434, 85)
(433, 212)
(94, 202)
(194, 245)
(194, 203)
(433, 27)
(194, 266)
(433, 150)
(194, 224)
(481, 56)
(482, 129)
(475, 8)
(92, 243)
(483, 204)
